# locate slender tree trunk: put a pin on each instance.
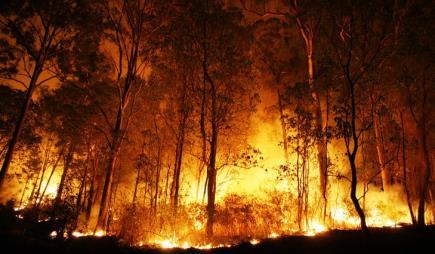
(203, 162)
(107, 187)
(177, 169)
(308, 36)
(179, 155)
(167, 184)
(91, 194)
(112, 200)
(49, 178)
(211, 169)
(67, 164)
(135, 187)
(353, 194)
(352, 157)
(157, 179)
(20, 122)
(426, 166)
(44, 169)
(283, 127)
(385, 174)
(405, 178)
(211, 187)
(24, 191)
(34, 186)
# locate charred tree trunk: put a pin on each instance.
(67, 163)
(211, 186)
(211, 169)
(284, 130)
(178, 163)
(351, 153)
(426, 166)
(307, 34)
(135, 187)
(157, 176)
(385, 173)
(405, 177)
(108, 179)
(203, 162)
(49, 178)
(20, 120)
(91, 194)
(44, 169)
(82, 188)
(180, 147)
(24, 191)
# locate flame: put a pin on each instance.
(53, 234)
(174, 244)
(274, 235)
(98, 233)
(167, 244)
(198, 225)
(254, 241)
(317, 227)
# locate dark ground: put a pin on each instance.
(400, 240)
(26, 236)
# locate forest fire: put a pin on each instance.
(208, 124)
(98, 233)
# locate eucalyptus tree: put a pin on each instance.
(361, 40)
(36, 33)
(130, 36)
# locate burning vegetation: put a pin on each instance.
(206, 123)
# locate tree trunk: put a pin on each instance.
(44, 168)
(24, 190)
(157, 179)
(385, 174)
(107, 187)
(283, 127)
(135, 187)
(179, 153)
(91, 194)
(20, 123)
(177, 169)
(352, 156)
(405, 178)
(353, 194)
(426, 166)
(203, 162)
(49, 178)
(211, 186)
(211, 169)
(308, 37)
(67, 164)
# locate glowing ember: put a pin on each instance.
(198, 225)
(173, 243)
(204, 247)
(167, 244)
(99, 233)
(185, 245)
(254, 241)
(317, 227)
(53, 234)
(273, 235)
(77, 234)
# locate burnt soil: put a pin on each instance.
(386, 240)
(28, 236)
